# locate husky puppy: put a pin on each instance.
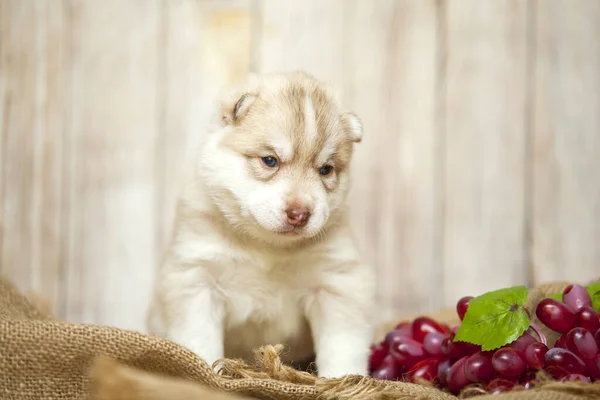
(262, 251)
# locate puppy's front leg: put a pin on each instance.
(198, 324)
(342, 334)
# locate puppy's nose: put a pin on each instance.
(297, 216)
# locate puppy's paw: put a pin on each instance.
(208, 350)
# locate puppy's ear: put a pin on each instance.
(353, 125)
(237, 109)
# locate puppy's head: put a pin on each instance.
(277, 165)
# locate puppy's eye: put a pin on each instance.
(269, 161)
(325, 170)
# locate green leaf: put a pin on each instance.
(495, 318)
(557, 296)
(594, 291)
(596, 300)
(593, 288)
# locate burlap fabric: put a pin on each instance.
(43, 358)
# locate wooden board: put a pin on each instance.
(111, 161)
(306, 35)
(392, 86)
(484, 128)
(206, 45)
(477, 171)
(566, 142)
(32, 107)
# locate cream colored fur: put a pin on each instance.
(236, 275)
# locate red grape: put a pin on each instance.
(450, 349)
(575, 378)
(594, 367)
(555, 315)
(576, 296)
(378, 353)
(402, 330)
(499, 385)
(462, 306)
(433, 343)
(522, 342)
(560, 342)
(587, 318)
(404, 325)
(528, 379)
(423, 325)
(425, 349)
(529, 375)
(508, 363)
(478, 367)
(407, 351)
(581, 343)
(528, 384)
(456, 376)
(389, 369)
(425, 369)
(466, 348)
(560, 362)
(534, 355)
(442, 374)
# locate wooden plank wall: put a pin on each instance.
(478, 169)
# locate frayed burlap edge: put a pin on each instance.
(268, 365)
(268, 368)
(268, 377)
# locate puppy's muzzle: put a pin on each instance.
(297, 216)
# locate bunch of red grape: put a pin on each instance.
(425, 349)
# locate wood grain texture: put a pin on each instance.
(19, 72)
(566, 143)
(480, 152)
(395, 200)
(485, 141)
(306, 35)
(207, 46)
(4, 54)
(112, 135)
(18, 68)
(33, 58)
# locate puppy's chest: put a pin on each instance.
(264, 290)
